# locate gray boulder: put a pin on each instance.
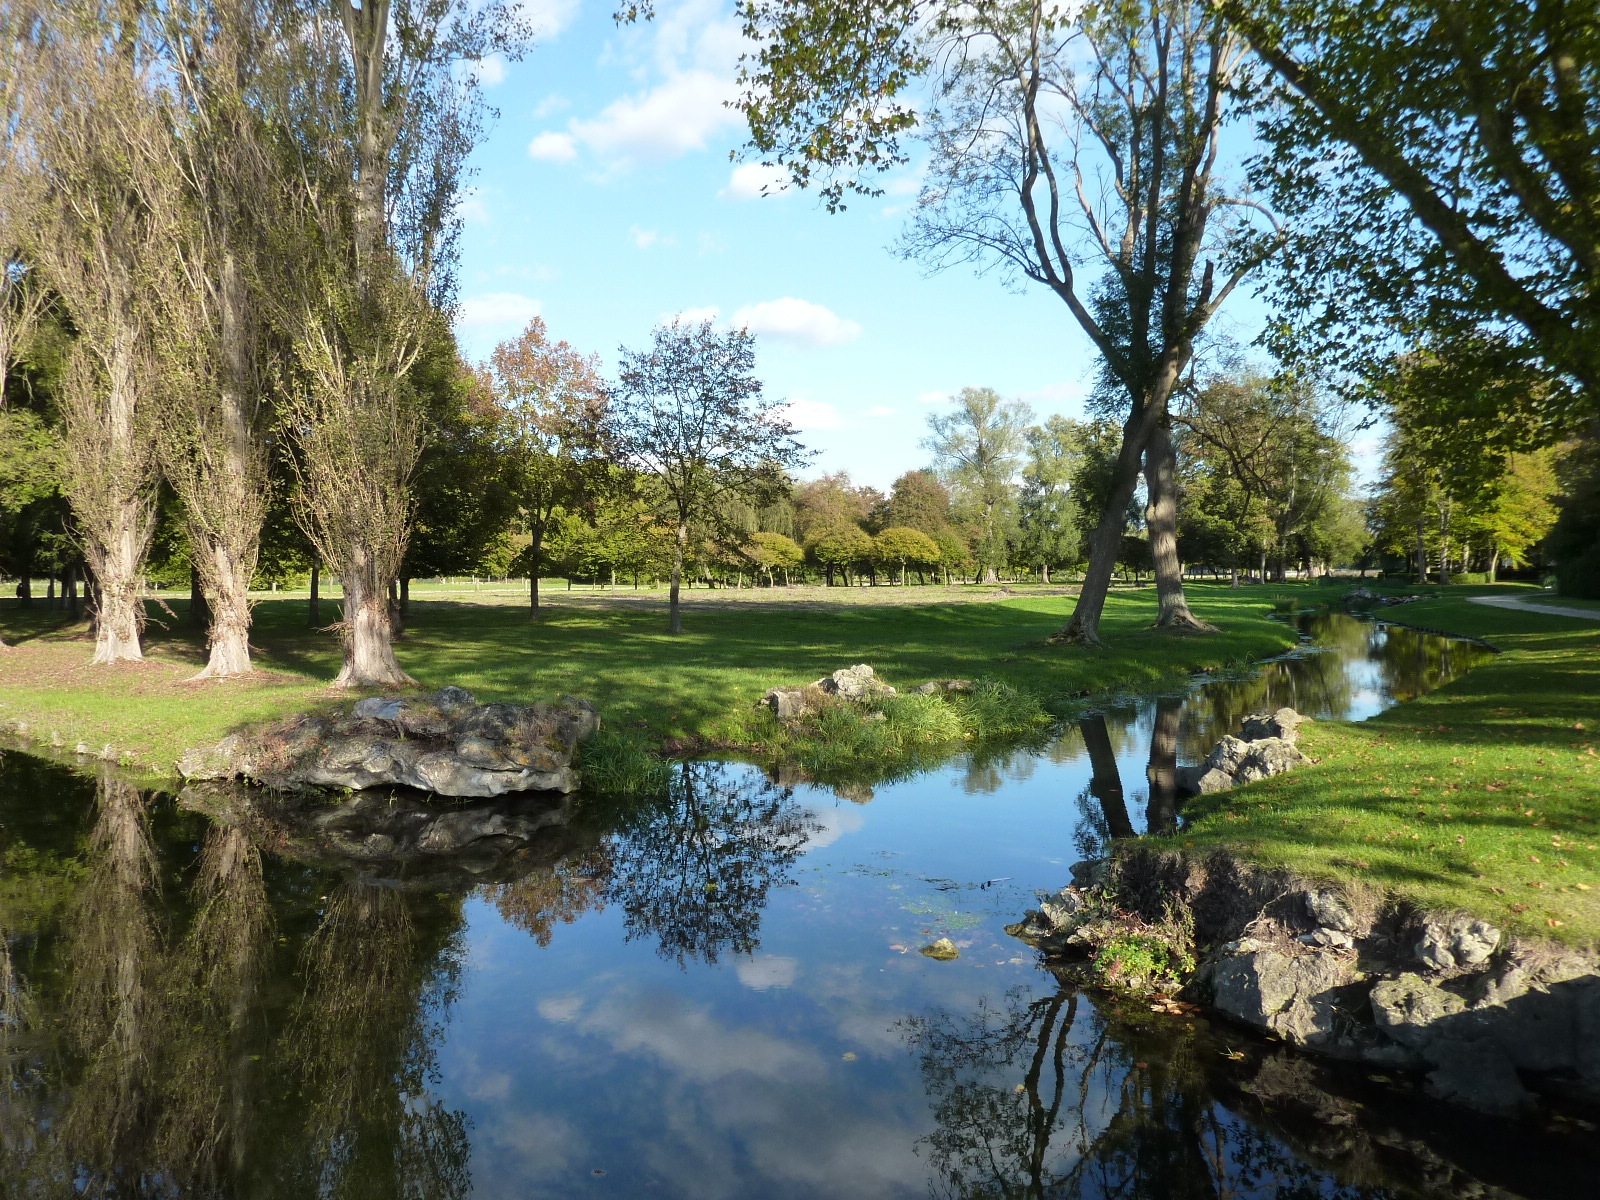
(1329, 910)
(1407, 1009)
(943, 687)
(1295, 996)
(1460, 941)
(1284, 724)
(855, 684)
(443, 744)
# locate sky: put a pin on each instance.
(605, 201)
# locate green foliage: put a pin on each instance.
(978, 446)
(841, 547)
(1134, 962)
(899, 546)
(1049, 511)
(1574, 542)
(997, 710)
(620, 765)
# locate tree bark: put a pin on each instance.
(1422, 554)
(675, 614)
(229, 614)
(369, 659)
(199, 612)
(535, 562)
(1161, 517)
(1106, 540)
(397, 620)
(314, 610)
(1494, 561)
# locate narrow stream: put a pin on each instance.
(717, 994)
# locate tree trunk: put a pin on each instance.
(314, 609)
(118, 565)
(675, 614)
(1044, 573)
(369, 659)
(1106, 540)
(1233, 576)
(1494, 561)
(397, 622)
(1105, 781)
(69, 589)
(229, 614)
(1161, 516)
(405, 596)
(25, 587)
(1422, 554)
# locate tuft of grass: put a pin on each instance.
(616, 764)
(997, 710)
(1483, 796)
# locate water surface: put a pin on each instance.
(716, 994)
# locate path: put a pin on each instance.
(1525, 605)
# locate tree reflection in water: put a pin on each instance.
(1036, 1098)
(694, 869)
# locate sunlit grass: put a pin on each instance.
(1482, 796)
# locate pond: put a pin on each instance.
(715, 994)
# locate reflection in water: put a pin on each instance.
(251, 1004)
(1048, 1097)
(694, 870)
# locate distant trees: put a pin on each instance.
(900, 546)
(774, 552)
(1048, 508)
(555, 402)
(842, 548)
(977, 447)
(689, 413)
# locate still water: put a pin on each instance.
(717, 994)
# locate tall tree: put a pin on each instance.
(978, 447)
(216, 339)
(1462, 142)
(690, 413)
(382, 119)
(555, 402)
(93, 122)
(1076, 147)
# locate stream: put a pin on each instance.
(716, 994)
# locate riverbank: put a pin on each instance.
(1482, 796)
(693, 691)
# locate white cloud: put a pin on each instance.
(932, 397)
(763, 971)
(497, 308)
(710, 243)
(549, 17)
(670, 119)
(492, 71)
(470, 207)
(799, 322)
(811, 415)
(552, 103)
(751, 181)
(882, 411)
(550, 146)
(645, 238)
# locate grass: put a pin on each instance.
(1483, 796)
(680, 693)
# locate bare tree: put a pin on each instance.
(23, 300)
(1076, 147)
(689, 413)
(94, 123)
(382, 120)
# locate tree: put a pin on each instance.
(978, 448)
(774, 552)
(831, 500)
(94, 124)
(381, 120)
(1049, 510)
(1074, 147)
(919, 501)
(689, 412)
(555, 399)
(901, 546)
(839, 548)
(1574, 543)
(1461, 141)
(215, 341)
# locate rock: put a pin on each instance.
(1213, 780)
(482, 750)
(1479, 1076)
(943, 950)
(1329, 910)
(1360, 595)
(1090, 872)
(1061, 908)
(1285, 724)
(1461, 941)
(1407, 1008)
(1333, 939)
(943, 687)
(855, 684)
(1293, 996)
(786, 703)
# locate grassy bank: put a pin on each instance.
(1482, 796)
(694, 689)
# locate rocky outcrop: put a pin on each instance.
(1266, 746)
(1488, 1021)
(850, 685)
(445, 743)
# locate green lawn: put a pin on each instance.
(697, 688)
(1482, 796)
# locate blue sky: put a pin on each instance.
(605, 201)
